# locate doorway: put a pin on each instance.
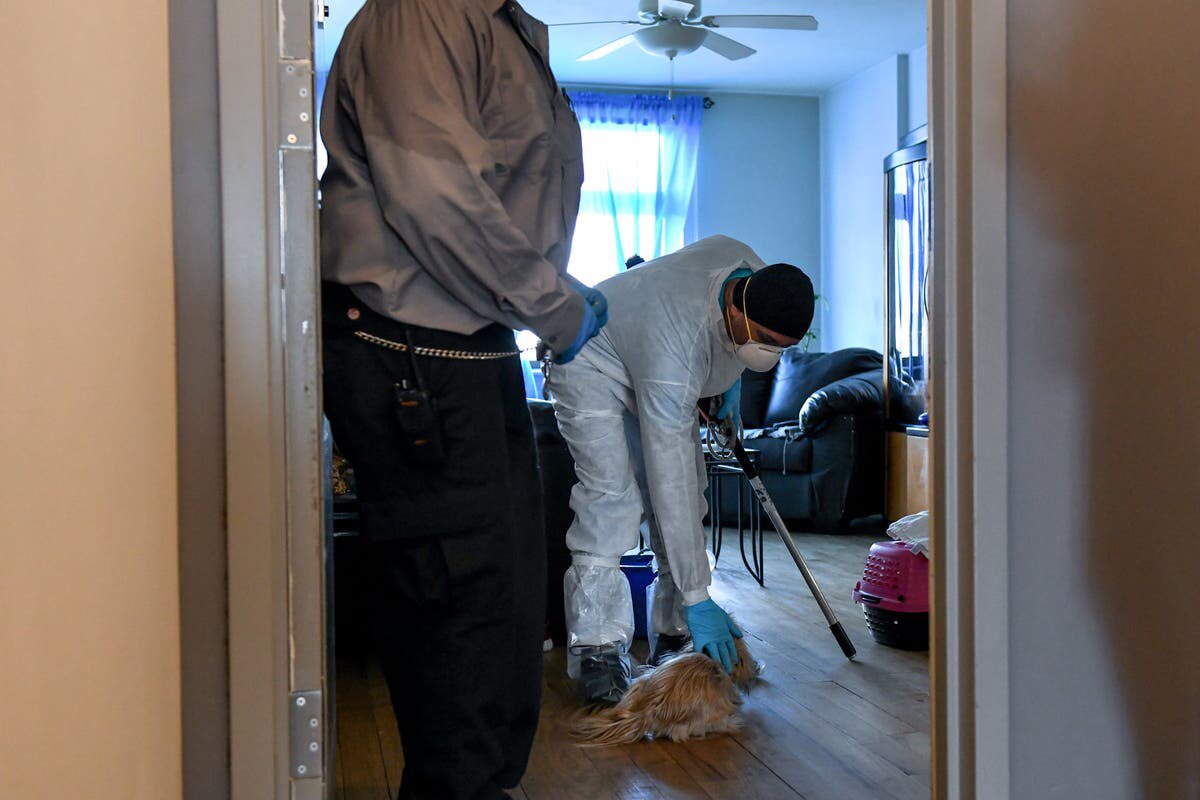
(739, 132)
(272, 625)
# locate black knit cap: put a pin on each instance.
(780, 298)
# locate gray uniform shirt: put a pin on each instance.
(454, 170)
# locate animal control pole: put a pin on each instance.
(839, 633)
(752, 475)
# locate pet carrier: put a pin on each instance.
(894, 593)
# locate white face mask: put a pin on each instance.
(755, 355)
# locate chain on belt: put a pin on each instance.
(436, 352)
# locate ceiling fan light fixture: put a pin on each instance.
(670, 39)
(654, 10)
(671, 28)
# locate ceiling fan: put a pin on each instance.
(672, 28)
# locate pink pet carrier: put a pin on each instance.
(894, 593)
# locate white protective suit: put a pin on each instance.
(626, 406)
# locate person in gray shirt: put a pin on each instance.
(447, 211)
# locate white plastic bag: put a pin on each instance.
(913, 530)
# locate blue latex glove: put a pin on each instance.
(599, 303)
(594, 297)
(588, 328)
(731, 404)
(713, 632)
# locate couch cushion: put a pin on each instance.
(756, 393)
(779, 454)
(857, 394)
(799, 374)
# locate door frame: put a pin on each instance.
(196, 192)
(269, 620)
(274, 491)
(969, 663)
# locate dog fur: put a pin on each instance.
(689, 697)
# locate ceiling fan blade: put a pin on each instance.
(595, 22)
(606, 49)
(723, 45)
(675, 9)
(779, 22)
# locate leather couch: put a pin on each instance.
(817, 422)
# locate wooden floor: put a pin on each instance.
(817, 727)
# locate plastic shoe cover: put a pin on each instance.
(664, 611)
(599, 610)
(664, 606)
(604, 673)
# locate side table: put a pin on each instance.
(720, 470)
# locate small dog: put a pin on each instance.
(689, 697)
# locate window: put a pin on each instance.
(618, 214)
(639, 158)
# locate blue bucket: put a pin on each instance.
(639, 571)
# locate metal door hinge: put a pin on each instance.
(295, 104)
(306, 731)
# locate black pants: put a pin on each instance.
(457, 553)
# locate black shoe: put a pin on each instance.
(667, 647)
(604, 674)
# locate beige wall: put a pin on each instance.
(1104, 322)
(89, 634)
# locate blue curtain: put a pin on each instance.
(908, 235)
(912, 218)
(639, 155)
